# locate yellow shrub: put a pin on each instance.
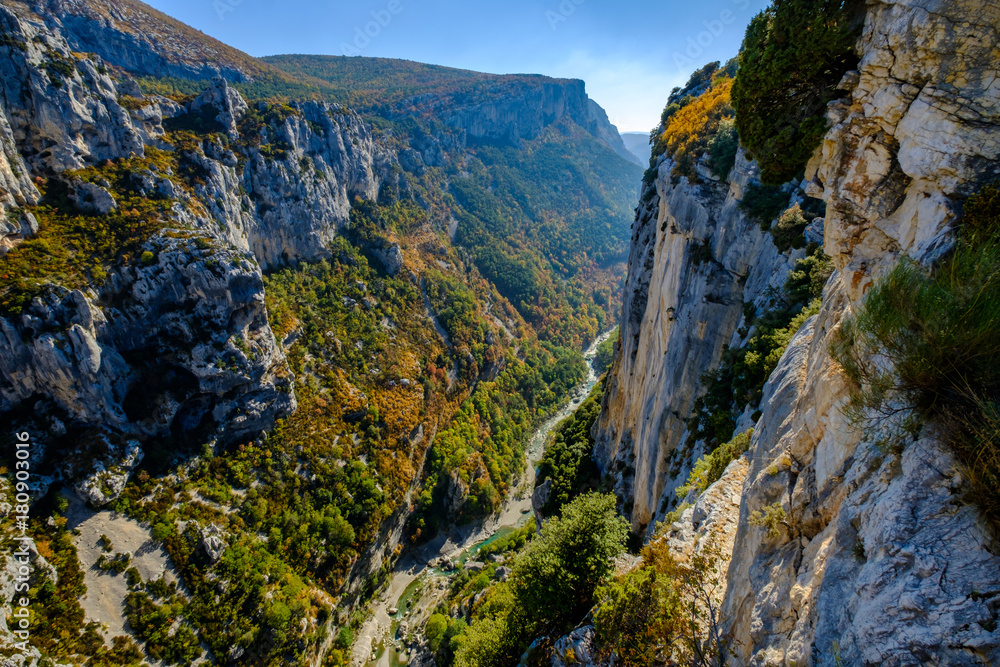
(689, 130)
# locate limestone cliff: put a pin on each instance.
(534, 106)
(179, 342)
(876, 559)
(695, 260)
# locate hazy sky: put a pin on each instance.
(630, 53)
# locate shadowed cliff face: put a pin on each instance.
(875, 558)
(102, 356)
(133, 35)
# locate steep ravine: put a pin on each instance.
(876, 560)
(380, 637)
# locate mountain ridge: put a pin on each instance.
(145, 41)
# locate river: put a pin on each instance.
(374, 643)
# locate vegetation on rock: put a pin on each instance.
(709, 468)
(665, 611)
(924, 348)
(693, 127)
(74, 248)
(739, 380)
(794, 56)
(605, 353)
(568, 460)
(552, 586)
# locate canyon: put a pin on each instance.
(303, 339)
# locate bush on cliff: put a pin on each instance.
(709, 468)
(939, 331)
(723, 147)
(794, 55)
(690, 130)
(663, 612)
(552, 586)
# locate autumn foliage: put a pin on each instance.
(688, 132)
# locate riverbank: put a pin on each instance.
(381, 626)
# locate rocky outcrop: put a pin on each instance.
(224, 103)
(878, 561)
(63, 112)
(91, 199)
(16, 190)
(132, 35)
(185, 345)
(522, 114)
(180, 343)
(177, 345)
(103, 471)
(304, 200)
(287, 205)
(871, 557)
(599, 125)
(578, 649)
(695, 260)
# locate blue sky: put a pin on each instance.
(630, 53)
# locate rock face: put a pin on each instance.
(175, 345)
(695, 260)
(92, 199)
(110, 471)
(132, 35)
(198, 355)
(62, 113)
(577, 649)
(289, 207)
(226, 104)
(531, 108)
(876, 559)
(179, 344)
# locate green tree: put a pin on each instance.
(556, 575)
(501, 631)
(568, 460)
(437, 626)
(551, 587)
(605, 353)
(794, 55)
(278, 615)
(722, 148)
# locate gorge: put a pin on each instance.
(304, 346)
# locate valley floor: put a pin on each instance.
(416, 565)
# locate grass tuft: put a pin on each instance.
(709, 468)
